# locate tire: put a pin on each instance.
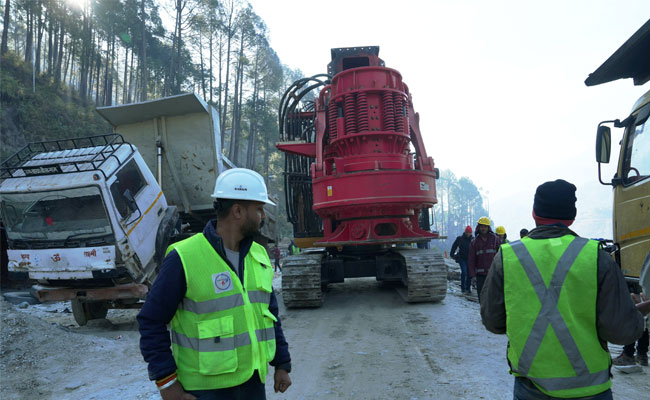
(85, 311)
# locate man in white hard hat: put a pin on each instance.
(214, 290)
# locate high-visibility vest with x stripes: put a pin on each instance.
(550, 290)
(223, 330)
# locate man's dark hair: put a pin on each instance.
(524, 231)
(223, 206)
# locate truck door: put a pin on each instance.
(140, 223)
(632, 196)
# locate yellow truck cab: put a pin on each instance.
(631, 183)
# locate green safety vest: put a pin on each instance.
(295, 249)
(550, 290)
(222, 331)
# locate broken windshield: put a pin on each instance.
(63, 215)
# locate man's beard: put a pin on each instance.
(250, 229)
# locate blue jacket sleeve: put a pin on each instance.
(282, 358)
(159, 308)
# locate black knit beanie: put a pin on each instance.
(556, 200)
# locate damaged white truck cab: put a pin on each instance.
(87, 220)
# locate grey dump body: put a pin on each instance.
(631, 60)
(180, 140)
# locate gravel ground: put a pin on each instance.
(364, 343)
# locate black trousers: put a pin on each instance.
(641, 346)
(480, 280)
(252, 389)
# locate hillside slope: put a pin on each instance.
(50, 112)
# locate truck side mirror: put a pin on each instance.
(603, 144)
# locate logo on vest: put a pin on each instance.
(222, 282)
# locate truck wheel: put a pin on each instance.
(85, 311)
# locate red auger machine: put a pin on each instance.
(359, 183)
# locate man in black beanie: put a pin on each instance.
(560, 299)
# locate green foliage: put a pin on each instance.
(52, 112)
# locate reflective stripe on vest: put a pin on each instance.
(581, 380)
(222, 344)
(222, 331)
(224, 303)
(488, 251)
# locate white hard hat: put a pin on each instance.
(241, 184)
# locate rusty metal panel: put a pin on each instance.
(128, 291)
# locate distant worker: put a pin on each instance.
(460, 253)
(523, 233)
(559, 299)
(501, 233)
(276, 256)
(215, 291)
(293, 249)
(481, 252)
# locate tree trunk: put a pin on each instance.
(115, 71)
(55, 49)
(267, 141)
(221, 116)
(179, 46)
(5, 27)
(250, 152)
(130, 86)
(67, 61)
(99, 67)
(29, 32)
(91, 63)
(210, 63)
(84, 59)
(143, 53)
(40, 38)
(49, 45)
(202, 67)
(229, 34)
(59, 60)
(236, 115)
(125, 80)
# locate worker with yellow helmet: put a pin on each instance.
(501, 233)
(481, 252)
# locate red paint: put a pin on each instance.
(368, 187)
(92, 253)
(49, 221)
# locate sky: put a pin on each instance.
(499, 85)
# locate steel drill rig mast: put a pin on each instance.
(358, 180)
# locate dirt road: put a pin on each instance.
(364, 343)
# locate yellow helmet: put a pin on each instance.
(500, 230)
(484, 221)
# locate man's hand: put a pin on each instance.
(282, 380)
(474, 281)
(642, 304)
(176, 392)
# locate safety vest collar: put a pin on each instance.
(549, 314)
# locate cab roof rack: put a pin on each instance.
(66, 156)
